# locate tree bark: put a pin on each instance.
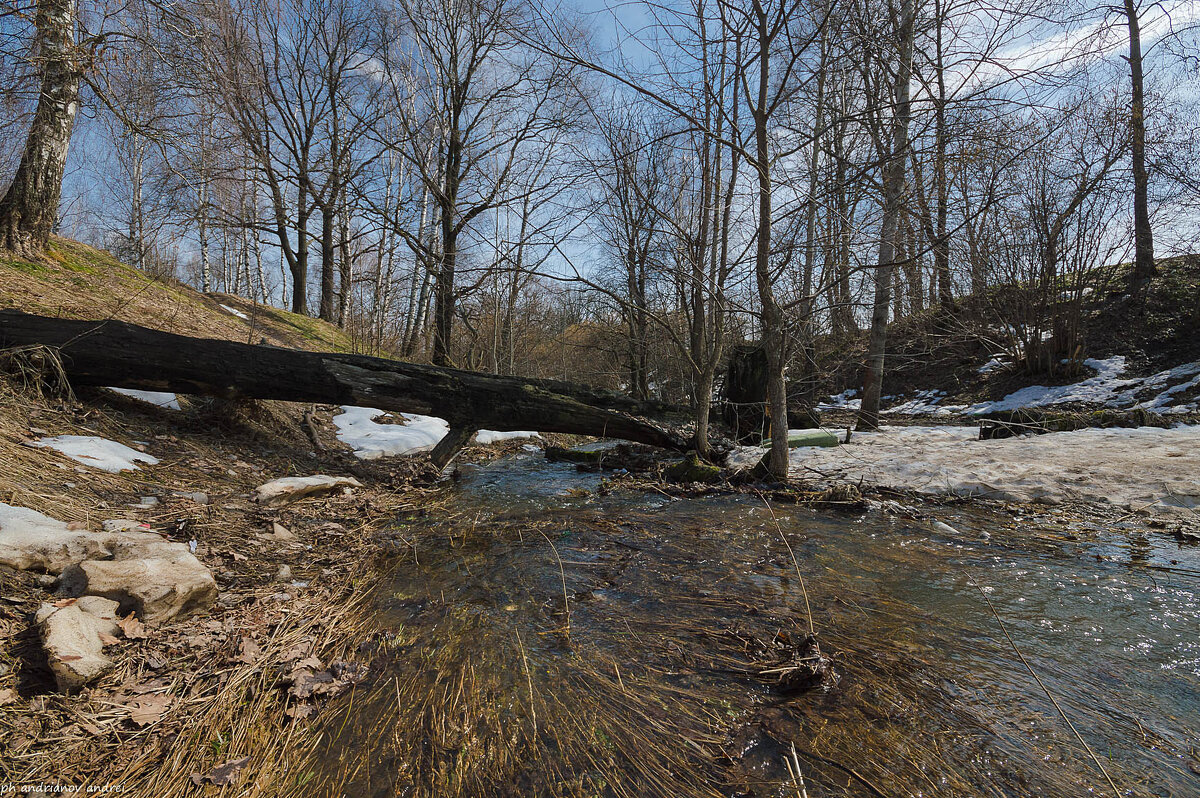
(114, 353)
(1143, 236)
(893, 189)
(29, 209)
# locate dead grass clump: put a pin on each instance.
(37, 370)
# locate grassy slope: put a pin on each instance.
(78, 281)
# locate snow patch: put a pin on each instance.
(356, 427)
(1121, 466)
(158, 398)
(235, 312)
(842, 401)
(98, 452)
(487, 436)
(1100, 389)
(925, 403)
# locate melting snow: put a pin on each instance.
(1100, 389)
(357, 429)
(235, 312)
(1121, 466)
(98, 452)
(925, 403)
(843, 401)
(159, 398)
(1108, 388)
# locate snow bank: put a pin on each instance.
(1100, 389)
(1121, 466)
(235, 312)
(1158, 392)
(159, 398)
(98, 452)
(357, 429)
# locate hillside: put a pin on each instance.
(965, 355)
(78, 281)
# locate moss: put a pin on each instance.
(691, 469)
(24, 266)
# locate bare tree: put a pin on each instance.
(29, 208)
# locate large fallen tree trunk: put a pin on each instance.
(117, 354)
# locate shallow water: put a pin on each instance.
(554, 640)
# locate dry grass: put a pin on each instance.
(224, 704)
(78, 281)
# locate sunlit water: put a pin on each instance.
(557, 639)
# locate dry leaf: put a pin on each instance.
(298, 651)
(300, 711)
(7, 696)
(250, 651)
(132, 627)
(305, 683)
(309, 662)
(108, 639)
(222, 774)
(65, 602)
(147, 709)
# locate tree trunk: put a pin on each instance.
(113, 353)
(325, 309)
(893, 192)
(29, 209)
(1143, 236)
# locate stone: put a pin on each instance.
(288, 489)
(30, 541)
(691, 469)
(284, 574)
(157, 579)
(71, 639)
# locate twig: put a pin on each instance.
(807, 609)
(1041, 684)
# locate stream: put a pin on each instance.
(553, 638)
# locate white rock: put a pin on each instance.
(158, 579)
(71, 638)
(32, 541)
(289, 489)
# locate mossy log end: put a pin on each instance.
(122, 355)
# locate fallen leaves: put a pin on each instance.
(222, 774)
(310, 681)
(132, 627)
(250, 652)
(147, 709)
(7, 696)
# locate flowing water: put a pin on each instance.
(553, 638)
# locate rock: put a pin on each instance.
(281, 532)
(284, 574)
(158, 579)
(71, 638)
(288, 489)
(690, 469)
(198, 498)
(123, 525)
(32, 541)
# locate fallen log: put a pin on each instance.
(117, 354)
